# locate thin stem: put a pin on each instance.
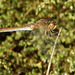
(49, 65)
(30, 9)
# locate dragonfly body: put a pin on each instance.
(20, 28)
(41, 24)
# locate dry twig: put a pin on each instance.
(30, 9)
(49, 65)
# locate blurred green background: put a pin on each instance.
(27, 53)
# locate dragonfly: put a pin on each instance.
(40, 24)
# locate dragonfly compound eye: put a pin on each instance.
(52, 25)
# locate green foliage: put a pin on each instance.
(28, 52)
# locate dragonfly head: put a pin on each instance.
(52, 25)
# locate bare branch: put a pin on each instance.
(30, 9)
(49, 65)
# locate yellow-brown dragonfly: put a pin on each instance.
(41, 24)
